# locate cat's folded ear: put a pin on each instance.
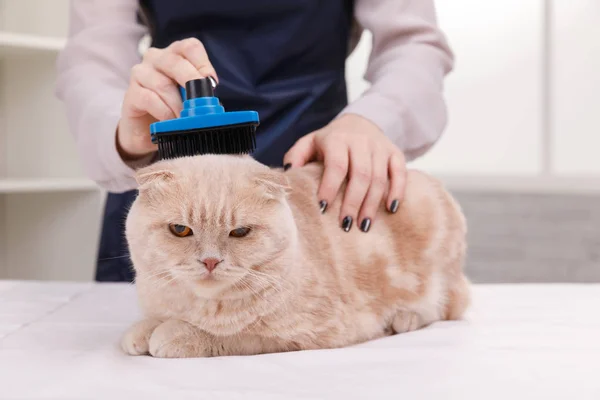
(153, 175)
(274, 183)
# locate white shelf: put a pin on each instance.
(50, 214)
(46, 185)
(22, 44)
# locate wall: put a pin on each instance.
(523, 96)
(3, 165)
(575, 72)
(44, 17)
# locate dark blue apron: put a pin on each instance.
(284, 59)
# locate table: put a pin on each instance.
(61, 341)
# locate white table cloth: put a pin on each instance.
(60, 341)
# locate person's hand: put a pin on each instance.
(352, 146)
(153, 94)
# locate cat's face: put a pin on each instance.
(211, 222)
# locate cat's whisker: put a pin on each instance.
(254, 292)
(275, 282)
(240, 285)
(264, 282)
(166, 283)
(247, 287)
(158, 274)
(278, 279)
(279, 290)
(261, 282)
(281, 300)
(279, 285)
(260, 274)
(158, 282)
(163, 281)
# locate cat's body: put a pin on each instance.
(301, 282)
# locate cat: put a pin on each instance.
(234, 258)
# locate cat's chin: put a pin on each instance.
(208, 283)
(213, 286)
(209, 280)
(209, 289)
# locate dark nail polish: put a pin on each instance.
(365, 225)
(394, 206)
(287, 166)
(347, 223)
(323, 206)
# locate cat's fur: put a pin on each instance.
(297, 281)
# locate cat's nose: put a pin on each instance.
(210, 263)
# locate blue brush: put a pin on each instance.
(204, 127)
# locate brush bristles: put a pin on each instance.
(223, 140)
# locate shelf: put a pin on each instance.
(48, 185)
(22, 44)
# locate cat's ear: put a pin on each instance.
(274, 183)
(152, 175)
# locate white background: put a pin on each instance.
(523, 97)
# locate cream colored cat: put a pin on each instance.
(233, 258)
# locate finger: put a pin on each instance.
(397, 175)
(302, 152)
(335, 165)
(151, 79)
(172, 65)
(144, 100)
(358, 185)
(193, 50)
(379, 181)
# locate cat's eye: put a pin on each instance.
(180, 230)
(239, 232)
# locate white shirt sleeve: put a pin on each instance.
(93, 75)
(409, 60)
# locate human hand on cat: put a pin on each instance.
(153, 95)
(352, 146)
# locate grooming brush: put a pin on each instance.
(204, 127)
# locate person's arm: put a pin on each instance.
(409, 61)
(93, 76)
(399, 118)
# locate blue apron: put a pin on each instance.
(284, 59)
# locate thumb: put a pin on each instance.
(302, 152)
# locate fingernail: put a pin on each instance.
(323, 206)
(287, 166)
(394, 206)
(365, 225)
(347, 223)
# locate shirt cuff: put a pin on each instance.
(382, 112)
(123, 173)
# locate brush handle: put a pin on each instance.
(199, 88)
(196, 88)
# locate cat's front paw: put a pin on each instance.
(407, 321)
(135, 341)
(178, 339)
